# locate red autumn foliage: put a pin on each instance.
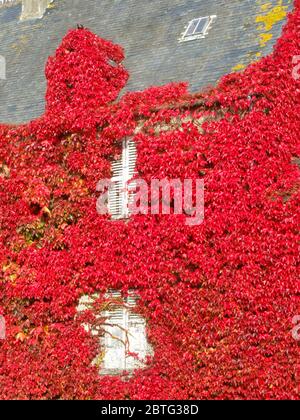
(219, 297)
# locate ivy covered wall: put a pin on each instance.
(219, 298)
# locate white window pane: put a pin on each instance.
(192, 27)
(202, 24)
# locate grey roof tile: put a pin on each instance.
(149, 32)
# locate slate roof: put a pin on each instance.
(148, 30)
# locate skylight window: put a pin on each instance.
(197, 28)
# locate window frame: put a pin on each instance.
(127, 162)
(185, 37)
(124, 331)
